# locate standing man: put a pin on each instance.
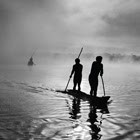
(77, 71)
(97, 67)
(30, 62)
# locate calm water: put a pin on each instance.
(30, 109)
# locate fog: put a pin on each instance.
(55, 28)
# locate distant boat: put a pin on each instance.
(30, 62)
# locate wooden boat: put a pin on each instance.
(30, 63)
(100, 102)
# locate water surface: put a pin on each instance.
(31, 109)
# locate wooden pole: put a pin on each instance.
(103, 85)
(80, 52)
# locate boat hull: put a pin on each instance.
(100, 102)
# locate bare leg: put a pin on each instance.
(79, 88)
(74, 87)
(74, 84)
(95, 93)
(91, 91)
(95, 89)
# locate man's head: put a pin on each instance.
(77, 60)
(99, 59)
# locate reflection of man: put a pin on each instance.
(95, 129)
(31, 61)
(97, 67)
(77, 71)
(75, 111)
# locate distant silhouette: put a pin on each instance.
(30, 62)
(77, 71)
(97, 67)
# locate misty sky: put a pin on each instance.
(67, 25)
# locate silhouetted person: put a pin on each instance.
(31, 61)
(77, 71)
(97, 67)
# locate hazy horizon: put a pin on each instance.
(55, 26)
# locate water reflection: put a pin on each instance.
(92, 129)
(95, 124)
(75, 111)
(95, 128)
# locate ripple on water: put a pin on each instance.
(33, 111)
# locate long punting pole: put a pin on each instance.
(70, 77)
(80, 52)
(34, 52)
(103, 85)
